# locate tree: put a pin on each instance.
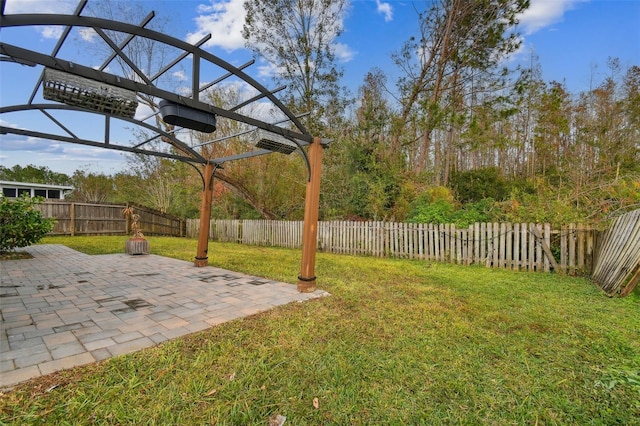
(159, 183)
(459, 42)
(631, 108)
(297, 38)
(366, 174)
(552, 137)
(33, 174)
(92, 187)
(20, 223)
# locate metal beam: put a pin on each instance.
(173, 141)
(84, 21)
(62, 126)
(114, 80)
(244, 132)
(242, 156)
(122, 55)
(41, 135)
(127, 40)
(255, 98)
(227, 75)
(178, 59)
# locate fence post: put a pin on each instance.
(547, 241)
(72, 219)
(581, 240)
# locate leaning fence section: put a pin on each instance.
(617, 265)
(517, 246)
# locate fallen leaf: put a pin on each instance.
(211, 392)
(316, 403)
(52, 388)
(277, 420)
(232, 376)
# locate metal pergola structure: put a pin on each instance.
(102, 94)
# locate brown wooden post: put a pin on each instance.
(202, 258)
(307, 278)
(72, 219)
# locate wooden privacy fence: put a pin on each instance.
(617, 266)
(518, 246)
(103, 219)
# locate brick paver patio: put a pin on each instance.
(63, 308)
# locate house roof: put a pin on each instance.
(7, 183)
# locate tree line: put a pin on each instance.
(458, 137)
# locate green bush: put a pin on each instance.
(20, 224)
(443, 211)
(439, 211)
(474, 185)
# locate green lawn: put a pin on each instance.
(398, 342)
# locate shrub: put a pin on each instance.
(20, 224)
(443, 211)
(439, 211)
(475, 185)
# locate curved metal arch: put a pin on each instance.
(181, 146)
(197, 53)
(176, 143)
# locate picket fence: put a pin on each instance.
(517, 246)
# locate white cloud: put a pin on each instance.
(184, 91)
(543, 13)
(343, 52)
(51, 32)
(224, 21)
(13, 143)
(43, 6)
(385, 9)
(180, 75)
(267, 70)
(40, 6)
(88, 34)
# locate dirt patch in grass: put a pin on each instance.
(15, 255)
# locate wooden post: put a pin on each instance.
(307, 278)
(202, 258)
(633, 282)
(547, 250)
(72, 221)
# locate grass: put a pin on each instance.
(398, 342)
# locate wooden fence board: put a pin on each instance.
(517, 246)
(496, 245)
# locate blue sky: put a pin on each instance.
(572, 38)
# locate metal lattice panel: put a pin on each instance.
(84, 93)
(273, 142)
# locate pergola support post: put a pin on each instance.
(202, 258)
(307, 278)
